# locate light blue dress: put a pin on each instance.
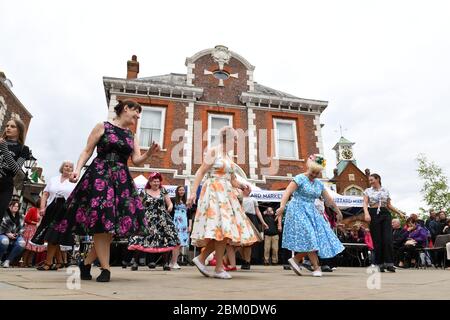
(305, 229)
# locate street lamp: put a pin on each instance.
(30, 162)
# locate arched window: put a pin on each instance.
(353, 191)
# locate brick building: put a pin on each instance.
(348, 178)
(183, 113)
(10, 105)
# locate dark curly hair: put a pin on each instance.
(129, 103)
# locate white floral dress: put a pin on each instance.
(219, 214)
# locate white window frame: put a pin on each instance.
(229, 117)
(163, 122)
(294, 126)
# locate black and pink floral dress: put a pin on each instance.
(105, 199)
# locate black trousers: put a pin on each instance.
(6, 193)
(408, 252)
(381, 232)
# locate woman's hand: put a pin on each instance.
(42, 212)
(190, 201)
(74, 177)
(367, 217)
(266, 226)
(279, 212)
(154, 148)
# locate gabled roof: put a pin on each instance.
(342, 141)
(179, 79)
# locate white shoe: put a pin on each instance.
(222, 275)
(6, 264)
(294, 266)
(175, 266)
(201, 267)
(317, 273)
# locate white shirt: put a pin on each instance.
(378, 197)
(249, 203)
(57, 189)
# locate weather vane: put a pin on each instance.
(341, 130)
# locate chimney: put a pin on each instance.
(2, 76)
(132, 68)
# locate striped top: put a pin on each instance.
(12, 158)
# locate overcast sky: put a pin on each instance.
(384, 67)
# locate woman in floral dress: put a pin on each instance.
(161, 234)
(305, 229)
(220, 219)
(183, 222)
(105, 202)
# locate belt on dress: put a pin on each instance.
(112, 156)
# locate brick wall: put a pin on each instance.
(13, 106)
(232, 88)
(343, 181)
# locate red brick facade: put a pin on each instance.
(189, 100)
(351, 176)
(9, 105)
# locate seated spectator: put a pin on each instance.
(399, 236)
(357, 234)
(11, 228)
(270, 237)
(437, 226)
(417, 238)
(431, 217)
(342, 233)
(446, 229)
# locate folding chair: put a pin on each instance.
(439, 246)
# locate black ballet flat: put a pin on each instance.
(134, 267)
(166, 267)
(382, 269)
(152, 265)
(105, 276)
(390, 268)
(85, 271)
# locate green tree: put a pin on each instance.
(435, 190)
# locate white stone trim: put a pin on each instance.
(252, 144)
(250, 82)
(3, 108)
(190, 76)
(189, 144)
(318, 134)
(112, 103)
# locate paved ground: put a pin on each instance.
(259, 283)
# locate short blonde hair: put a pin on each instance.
(313, 166)
(63, 164)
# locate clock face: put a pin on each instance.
(347, 154)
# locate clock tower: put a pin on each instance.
(344, 150)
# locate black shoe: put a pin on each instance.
(105, 276)
(134, 267)
(245, 266)
(326, 268)
(124, 264)
(390, 268)
(382, 269)
(166, 267)
(152, 265)
(85, 271)
(286, 267)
